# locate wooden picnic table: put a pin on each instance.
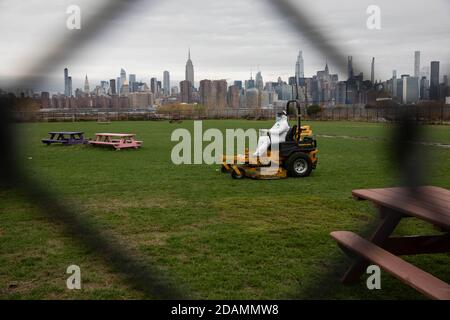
(428, 203)
(65, 137)
(116, 140)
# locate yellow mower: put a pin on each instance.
(295, 157)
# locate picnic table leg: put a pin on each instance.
(389, 220)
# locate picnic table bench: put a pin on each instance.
(116, 140)
(65, 138)
(428, 203)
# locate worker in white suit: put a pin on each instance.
(274, 135)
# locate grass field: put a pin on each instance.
(218, 238)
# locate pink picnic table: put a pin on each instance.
(116, 140)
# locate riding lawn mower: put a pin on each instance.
(295, 157)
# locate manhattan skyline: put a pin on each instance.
(228, 39)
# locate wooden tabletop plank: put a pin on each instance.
(404, 271)
(436, 214)
(116, 134)
(418, 197)
(66, 132)
(430, 194)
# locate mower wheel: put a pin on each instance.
(299, 165)
(241, 174)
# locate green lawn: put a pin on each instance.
(219, 238)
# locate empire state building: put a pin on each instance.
(189, 70)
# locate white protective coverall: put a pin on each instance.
(275, 135)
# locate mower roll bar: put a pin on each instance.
(297, 104)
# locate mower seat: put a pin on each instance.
(290, 135)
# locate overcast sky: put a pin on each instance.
(228, 38)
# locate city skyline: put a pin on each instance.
(232, 38)
(419, 70)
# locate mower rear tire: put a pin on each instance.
(299, 165)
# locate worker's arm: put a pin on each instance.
(279, 128)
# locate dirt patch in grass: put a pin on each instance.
(115, 204)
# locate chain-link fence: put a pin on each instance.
(153, 282)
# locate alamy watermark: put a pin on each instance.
(374, 280)
(73, 21)
(374, 20)
(190, 148)
(74, 280)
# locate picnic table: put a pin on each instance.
(428, 203)
(116, 140)
(65, 138)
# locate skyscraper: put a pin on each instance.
(125, 89)
(186, 91)
(118, 85)
(350, 67)
(372, 71)
(123, 77)
(86, 85)
(67, 83)
(394, 83)
(417, 64)
(233, 97)
(299, 67)
(131, 81)
(410, 89)
(189, 74)
(434, 80)
(66, 80)
(112, 86)
(154, 86)
(166, 83)
(259, 83)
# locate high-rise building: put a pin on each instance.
(189, 74)
(252, 98)
(131, 81)
(410, 89)
(417, 64)
(123, 76)
(206, 93)
(159, 87)
(394, 83)
(259, 83)
(434, 80)
(238, 83)
(221, 93)
(154, 86)
(424, 88)
(86, 85)
(234, 93)
(118, 85)
(186, 91)
(69, 84)
(166, 83)
(299, 67)
(66, 80)
(125, 89)
(372, 71)
(213, 94)
(45, 100)
(350, 67)
(112, 86)
(174, 90)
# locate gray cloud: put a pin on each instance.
(228, 38)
